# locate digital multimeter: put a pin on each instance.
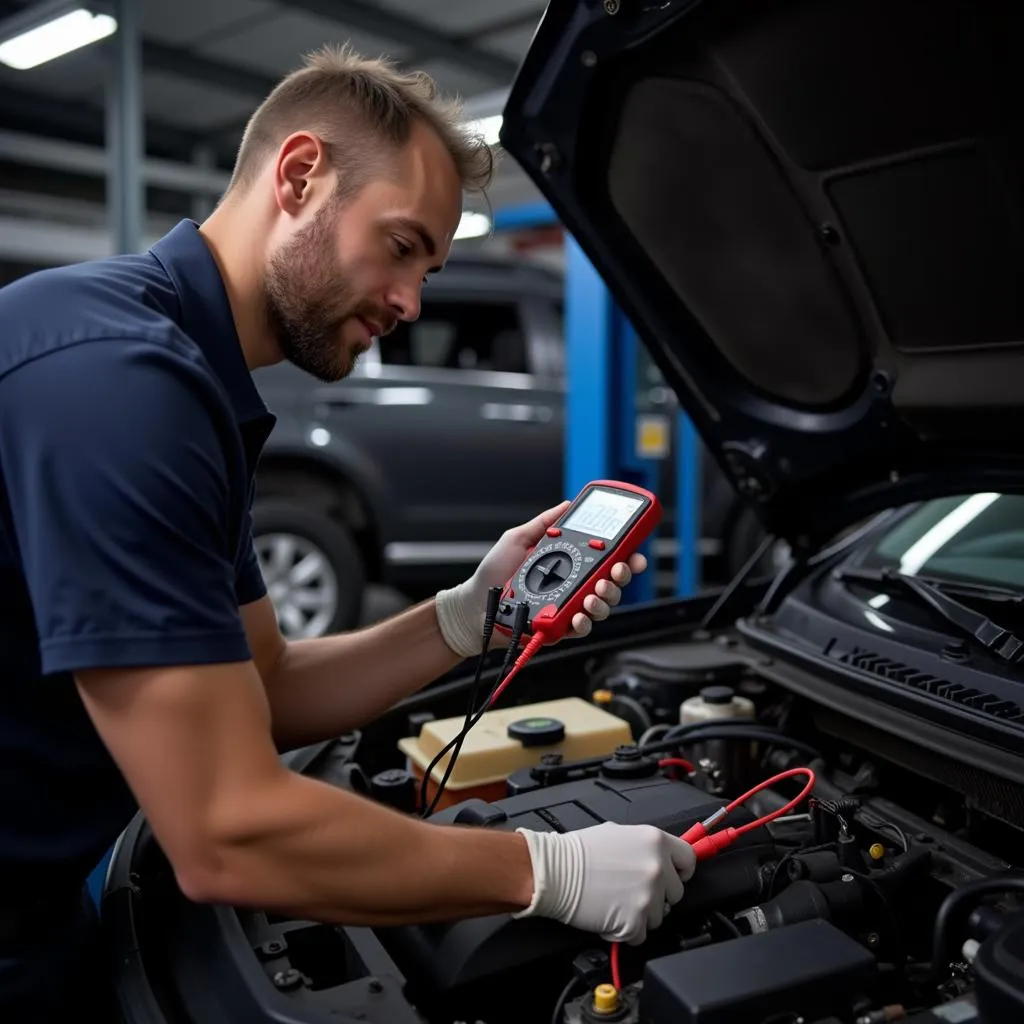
(605, 524)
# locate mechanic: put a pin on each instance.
(142, 662)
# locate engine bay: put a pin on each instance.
(886, 895)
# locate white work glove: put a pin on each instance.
(618, 881)
(461, 610)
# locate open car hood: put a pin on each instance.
(812, 214)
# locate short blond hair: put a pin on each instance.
(361, 108)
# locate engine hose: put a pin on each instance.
(653, 733)
(680, 734)
(729, 729)
(627, 707)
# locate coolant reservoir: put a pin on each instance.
(724, 760)
(508, 739)
(715, 702)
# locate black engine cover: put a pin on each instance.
(440, 959)
(797, 972)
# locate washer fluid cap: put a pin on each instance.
(717, 694)
(537, 732)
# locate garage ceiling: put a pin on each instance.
(207, 63)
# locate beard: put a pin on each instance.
(308, 301)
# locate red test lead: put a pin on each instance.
(707, 844)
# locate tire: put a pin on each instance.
(743, 541)
(325, 595)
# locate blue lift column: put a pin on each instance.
(689, 454)
(602, 428)
(600, 401)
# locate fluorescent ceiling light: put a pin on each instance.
(55, 38)
(473, 225)
(488, 127)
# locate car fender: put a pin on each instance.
(290, 445)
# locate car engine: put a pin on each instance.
(886, 895)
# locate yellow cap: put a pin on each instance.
(876, 851)
(606, 999)
(603, 696)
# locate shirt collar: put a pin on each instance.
(206, 314)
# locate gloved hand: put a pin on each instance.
(616, 880)
(461, 610)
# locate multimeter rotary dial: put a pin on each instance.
(552, 571)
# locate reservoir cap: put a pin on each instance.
(539, 731)
(717, 694)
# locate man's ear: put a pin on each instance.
(301, 161)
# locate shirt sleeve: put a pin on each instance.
(249, 583)
(116, 457)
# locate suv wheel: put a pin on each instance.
(312, 567)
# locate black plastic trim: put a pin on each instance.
(864, 702)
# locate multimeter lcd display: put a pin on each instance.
(602, 514)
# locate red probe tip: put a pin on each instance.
(694, 832)
(715, 843)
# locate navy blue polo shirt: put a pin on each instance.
(130, 429)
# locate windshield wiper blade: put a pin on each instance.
(963, 588)
(994, 638)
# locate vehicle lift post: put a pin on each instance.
(602, 427)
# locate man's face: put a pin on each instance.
(356, 268)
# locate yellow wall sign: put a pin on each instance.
(653, 436)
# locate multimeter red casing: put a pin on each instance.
(605, 524)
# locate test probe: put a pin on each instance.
(707, 844)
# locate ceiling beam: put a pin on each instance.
(175, 60)
(75, 158)
(82, 121)
(426, 41)
(172, 60)
(85, 121)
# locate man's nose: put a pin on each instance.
(404, 301)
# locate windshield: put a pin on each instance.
(978, 538)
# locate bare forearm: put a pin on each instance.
(321, 688)
(320, 853)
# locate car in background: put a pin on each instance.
(449, 431)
